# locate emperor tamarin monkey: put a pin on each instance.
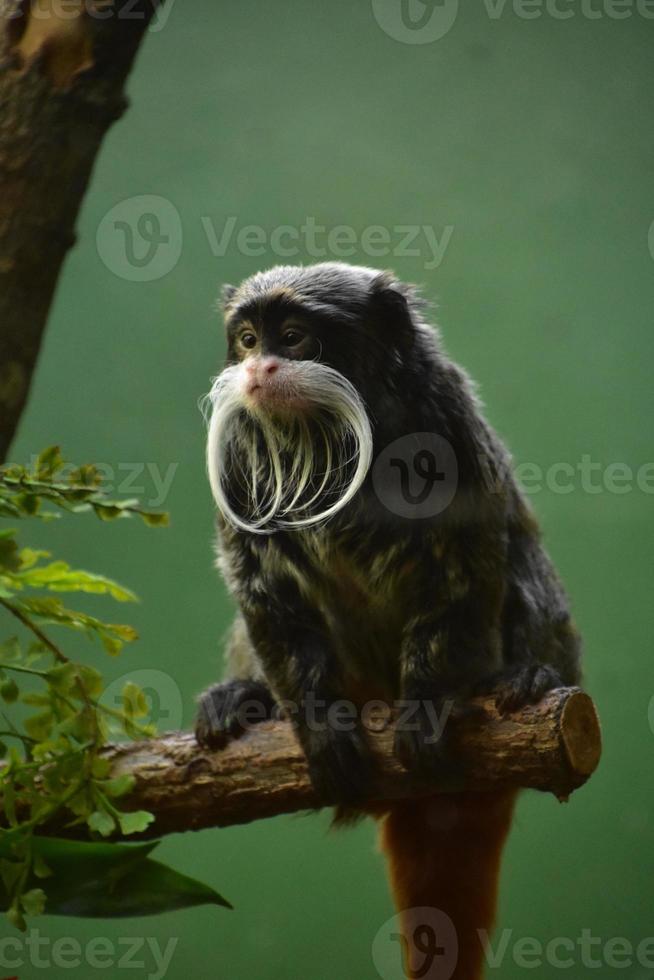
(343, 595)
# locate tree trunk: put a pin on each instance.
(62, 75)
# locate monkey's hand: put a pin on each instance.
(226, 710)
(423, 732)
(340, 764)
(522, 685)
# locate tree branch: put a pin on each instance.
(62, 74)
(552, 746)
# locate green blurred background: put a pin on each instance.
(532, 141)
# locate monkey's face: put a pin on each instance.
(267, 346)
(290, 441)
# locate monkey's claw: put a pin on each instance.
(340, 765)
(422, 736)
(526, 685)
(226, 710)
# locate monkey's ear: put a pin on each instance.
(227, 294)
(391, 306)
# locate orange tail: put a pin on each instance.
(444, 856)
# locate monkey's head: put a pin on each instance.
(313, 361)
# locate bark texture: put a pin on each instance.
(62, 74)
(552, 746)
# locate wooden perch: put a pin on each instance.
(553, 746)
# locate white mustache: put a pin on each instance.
(290, 471)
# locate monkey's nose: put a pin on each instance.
(261, 368)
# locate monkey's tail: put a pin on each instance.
(444, 858)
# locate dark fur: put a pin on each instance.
(371, 605)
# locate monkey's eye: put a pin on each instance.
(292, 337)
(248, 340)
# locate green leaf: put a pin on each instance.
(86, 475)
(16, 918)
(154, 518)
(10, 651)
(63, 677)
(8, 507)
(9, 691)
(111, 880)
(9, 556)
(91, 680)
(106, 512)
(29, 503)
(40, 868)
(100, 767)
(49, 462)
(40, 725)
(36, 700)
(33, 901)
(135, 822)
(58, 576)
(135, 703)
(119, 786)
(76, 680)
(102, 822)
(29, 557)
(81, 726)
(50, 610)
